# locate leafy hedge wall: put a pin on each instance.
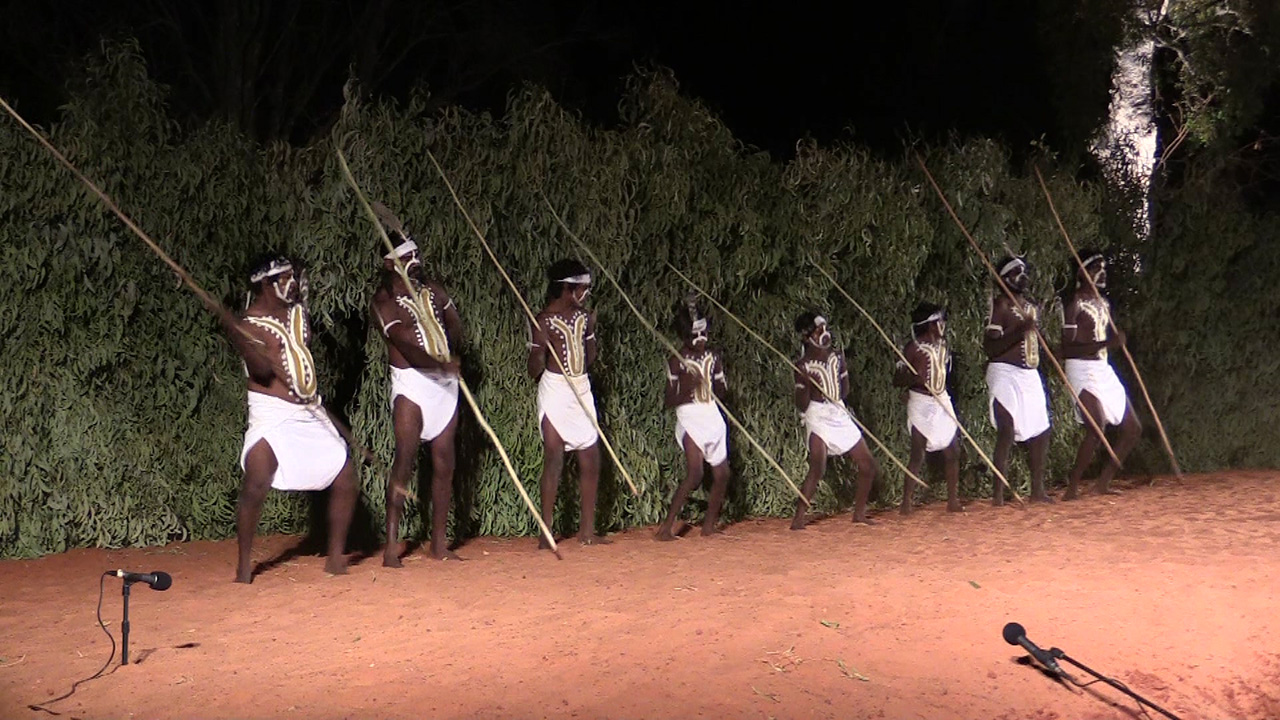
(123, 415)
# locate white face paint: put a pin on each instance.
(580, 294)
(821, 336)
(285, 287)
(698, 337)
(1100, 277)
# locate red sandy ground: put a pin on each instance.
(1170, 588)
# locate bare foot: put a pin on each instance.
(711, 532)
(798, 523)
(336, 565)
(543, 544)
(864, 520)
(391, 560)
(997, 502)
(244, 576)
(1106, 490)
(1044, 498)
(904, 509)
(594, 540)
(1070, 494)
(446, 555)
(955, 506)
(665, 535)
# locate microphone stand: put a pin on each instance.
(1059, 655)
(124, 626)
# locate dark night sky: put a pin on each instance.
(775, 73)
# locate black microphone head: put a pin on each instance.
(1013, 632)
(163, 581)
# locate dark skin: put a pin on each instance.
(565, 306)
(817, 346)
(405, 350)
(266, 370)
(1011, 344)
(1088, 340)
(679, 392)
(912, 377)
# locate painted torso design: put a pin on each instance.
(293, 337)
(826, 374)
(429, 328)
(1090, 318)
(568, 335)
(933, 379)
(1004, 313)
(708, 372)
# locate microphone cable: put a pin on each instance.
(101, 590)
(1141, 707)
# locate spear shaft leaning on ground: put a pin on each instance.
(797, 369)
(671, 348)
(224, 315)
(462, 384)
(533, 318)
(1084, 411)
(1123, 348)
(938, 399)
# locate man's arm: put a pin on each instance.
(405, 338)
(1076, 326)
(719, 383)
(802, 391)
(452, 322)
(250, 347)
(589, 341)
(1005, 329)
(904, 375)
(844, 377)
(539, 346)
(673, 384)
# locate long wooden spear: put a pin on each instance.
(462, 384)
(1110, 321)
(671, 349)
(936, 396)
(225, 315)
(533, 318)
(1084, 411)
(802, 373)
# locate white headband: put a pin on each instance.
(584, 279)
(404, 248)
(938, 314)
(1009, 266)
(279, 266)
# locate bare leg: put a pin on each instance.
(1130, 431)
(442, 462)
(951, 459)
(817, 466)
(914, 464)
(693, 476)
(552, 468)
(1088, 446)
(406, 419)
(588, 485)
(1004, 445)
(1037, 458)
(867, 471)
(259, 466)
(342, 505)
(719, 485)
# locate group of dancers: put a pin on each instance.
(292, 444)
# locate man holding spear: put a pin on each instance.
(290, 443)
(930, 415)
(821, 385)
(566, 329)
(1086, 338)
(1019, 406)
(694, 380)
(424, 387)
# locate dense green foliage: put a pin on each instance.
(123, 410)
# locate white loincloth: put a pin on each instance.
(435, 394)
(1021, 394)
(704, 423)
(556, 400)
(1100, 380)
(309, 450)
(834, 425)
(929, 416)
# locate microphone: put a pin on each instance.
(157, 580)
(1015, 634)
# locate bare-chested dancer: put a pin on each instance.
(831, 428)
(700, 427)
(1019, 405)
(290, 443)
(1086, 338)
(567, 329)
(424, 389)
(930, 416)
